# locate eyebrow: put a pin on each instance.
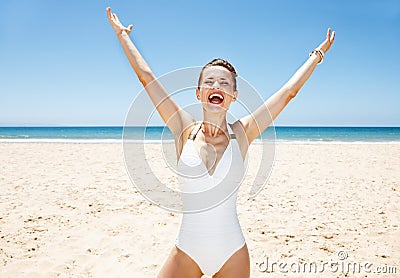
(221, 78)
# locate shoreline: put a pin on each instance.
(255, 142)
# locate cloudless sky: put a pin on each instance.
(61, 63)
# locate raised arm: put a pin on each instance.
(176, 118)
(258, 121)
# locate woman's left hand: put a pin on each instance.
(325, 45)
(116, 24)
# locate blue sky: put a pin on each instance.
(61, 63)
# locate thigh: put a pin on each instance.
(179, 264)
(237, 266)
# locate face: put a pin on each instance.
(216, 89)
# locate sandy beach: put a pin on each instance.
(70, 210)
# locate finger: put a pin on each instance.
(333, 36)
(116, 18)
(328, 33)
(108, 12)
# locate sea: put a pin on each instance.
(157, 134)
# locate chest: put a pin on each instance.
(211, 153)
(202, 161)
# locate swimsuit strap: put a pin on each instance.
(195, 131)
(231, 134)
(198, 126)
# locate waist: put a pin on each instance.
(196, 224)
(221, 215)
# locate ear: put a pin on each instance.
(235, 94)
(198, 93)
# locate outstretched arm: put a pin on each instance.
(258, 121)
(176, 118)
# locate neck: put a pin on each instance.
(214, 124)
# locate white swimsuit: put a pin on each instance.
(210, 232)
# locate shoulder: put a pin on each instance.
(237, 127)
(241, 137)
(182, 138)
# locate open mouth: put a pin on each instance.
(216, 98)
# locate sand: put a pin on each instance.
(70, 210)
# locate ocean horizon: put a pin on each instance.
(150, 134)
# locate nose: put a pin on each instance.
(216, 84)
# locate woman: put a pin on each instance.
(211, 242)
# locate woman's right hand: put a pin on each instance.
(116, 24)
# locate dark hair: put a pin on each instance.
(222, 63)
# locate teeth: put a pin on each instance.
(216, 95)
